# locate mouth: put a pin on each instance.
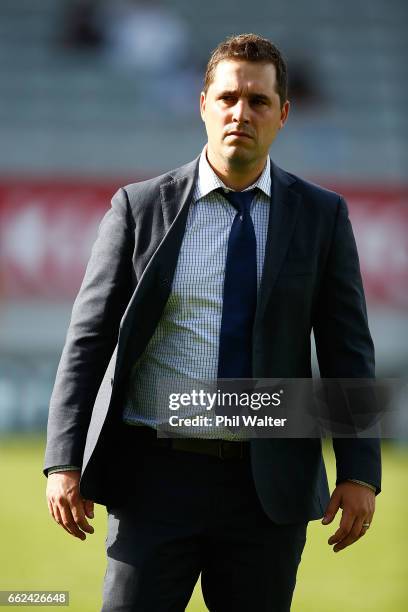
(238, 134)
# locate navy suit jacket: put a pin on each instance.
(311, 281)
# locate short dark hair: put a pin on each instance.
(250, 48)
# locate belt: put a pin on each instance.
(223, 449)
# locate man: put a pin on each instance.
(219, 269)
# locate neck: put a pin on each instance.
(235, 177)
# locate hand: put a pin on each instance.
(66, 505)
(358, 504)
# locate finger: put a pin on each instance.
(50, 509)
(89, 508)
(353, 536)
(332, 508)
(368, 521)
(56, 515)
(365, 526)
(78, 514)
(69, 522)
(58, 519)
(344, 529)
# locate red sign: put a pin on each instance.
(46, 234)
(47, 230)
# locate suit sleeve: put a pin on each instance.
(92, 336)
(344, 345)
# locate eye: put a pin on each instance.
(259, 102)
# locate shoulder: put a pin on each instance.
(313, 195)
(148, 192)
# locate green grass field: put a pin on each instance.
(37, 554)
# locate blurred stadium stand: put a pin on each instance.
(65, 111)
(75, 124)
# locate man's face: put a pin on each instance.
(242, 113)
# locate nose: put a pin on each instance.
(240, 112)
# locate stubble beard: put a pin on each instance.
(239, 160)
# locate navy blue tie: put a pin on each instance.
(240, 291)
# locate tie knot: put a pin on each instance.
(240, 200)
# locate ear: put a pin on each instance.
(202, 105)
(284, 114)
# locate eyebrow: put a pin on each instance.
(254, 94)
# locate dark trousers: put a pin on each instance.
(189, 514)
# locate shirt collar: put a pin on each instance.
(208, 180)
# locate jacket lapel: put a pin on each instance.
(176, 197)
(176, 193)
(153, 289)
(282, 219)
